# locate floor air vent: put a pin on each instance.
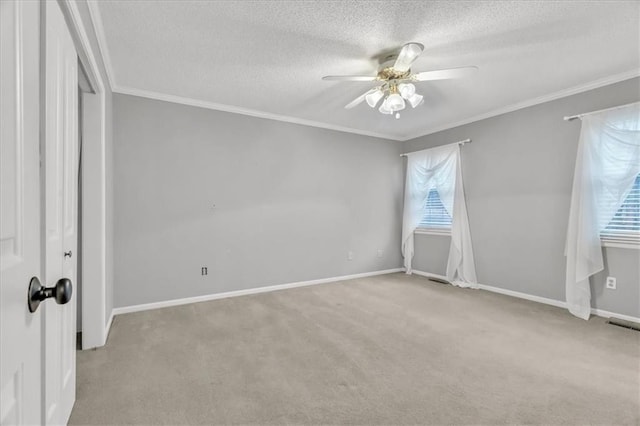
(624, 324)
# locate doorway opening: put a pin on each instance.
(94, 300)
(92, 318)
(83, 87)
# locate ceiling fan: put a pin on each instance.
(395, 80)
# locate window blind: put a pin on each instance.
(625, 225)
(436, 216)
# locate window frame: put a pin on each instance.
(608, 242)
(445, 232)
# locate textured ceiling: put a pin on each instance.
(268, 57)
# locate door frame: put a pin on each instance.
(96, 316)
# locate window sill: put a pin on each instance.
(620, 244)
(433, 231)
(620, 239)
(605, 242)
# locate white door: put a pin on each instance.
(38, 222)
(20, 330)
(60, 187)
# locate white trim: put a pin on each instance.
(94, 230)
(525, 296)
(531, 102)
(612, 315)
(539, 299)
(73, 20)
(445, 232)
(94, 12)
(288, 119)
(103, 47)
(245, 111)
(257, 290)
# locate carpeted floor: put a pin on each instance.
(390, 349)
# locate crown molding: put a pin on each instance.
(289, 119)
(246, 111)
(531, 102)
(103, 47)
(96, 19)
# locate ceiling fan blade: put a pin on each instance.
(407, 55)
(349, 77)
(358, 100)
(445, 74)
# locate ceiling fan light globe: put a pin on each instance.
(415, 100)
(395, 102)
(407, 90)
(374, 97)
(384, 108)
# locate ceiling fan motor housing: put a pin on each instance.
(394, 80)
(390, 73)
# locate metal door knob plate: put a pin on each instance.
(61, 292)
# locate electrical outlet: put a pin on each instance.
(611, 283)
(350, 255)
(380, 253)
(204, 271)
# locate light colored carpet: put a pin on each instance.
(390, 349)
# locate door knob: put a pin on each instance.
(61, 292)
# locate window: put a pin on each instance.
(436, 219)
(624, 228)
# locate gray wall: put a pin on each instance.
(259, 202)
(86, 20)
(518, 174)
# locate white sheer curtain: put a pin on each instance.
(607, 164)
(439, 168)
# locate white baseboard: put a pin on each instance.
(525, 296)
(539, 299)
(606, 314)
(215, 296)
